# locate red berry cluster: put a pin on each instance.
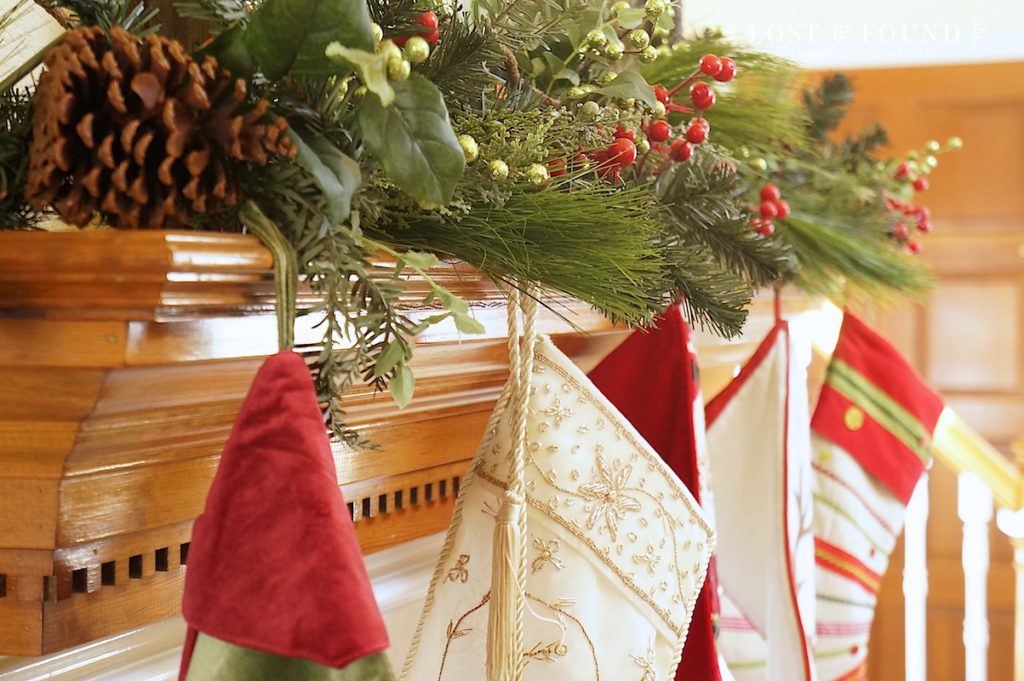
(620, 154)
(772, 206)
(702, 98)
(903, 173)
(429, 21)
(905, 212)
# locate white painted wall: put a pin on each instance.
(865, 33)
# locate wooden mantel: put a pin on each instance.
(124, 357)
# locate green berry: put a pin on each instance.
(642, 145)
(537, 174)
(654, 9)
(660, 32)
(606, 77)
(588, 88)
(378, 32)
(629, 103)
(659, 110)
(591, 109)
(498, 168)
(399, 69)
(470, 149)
(417, 50)
(931, 161)
(389, 49)
(619, 7)
(576, 93)
(638, 39)
(954, 143)
(649, 55)
(614, 51)
(759, 164)
(932, 146)
(597, 39)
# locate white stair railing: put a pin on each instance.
(974, 506)
(915, 583)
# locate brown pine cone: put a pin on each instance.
(138, 130)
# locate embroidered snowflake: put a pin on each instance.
(606, 497)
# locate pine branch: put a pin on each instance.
(219, 15)
(827, 105)
(15, 132)
(702, 204)
(712, 298)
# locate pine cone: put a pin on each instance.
(138, 130)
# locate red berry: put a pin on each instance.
(923, 214)
(428, 19)
(622, 152)
(556, 167)
(680, 151)
(770, 192)
(902, 171)
(782, 207)
(661, 94)
(697, 131)
(659, 131)
(924, 226)
(727, 71)
(702, 96)
(710, 65)
(921, 184)
(431, 37)
(768, 210)
(900, 231)
(914, 247)
(622, 133)
(766, 228)
(579, 162)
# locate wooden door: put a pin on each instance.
(965, 336)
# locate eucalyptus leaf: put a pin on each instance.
(452, 302)
(466, 324)
(393, 353)
(336, 174)
(402, 385)
(291, 36)
(372, 68)
(413, 140)
(632, 17)
(630, 85)
(232, 51)
(420, 260)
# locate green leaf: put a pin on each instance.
(393, 353)
(413, 140)
(632, 17)
(232, 51)
(419, 260)
(291, 36)
(402, 386)
(452, 302)
(466, 324)
(371, 66)
(630, 84)
(336, 174)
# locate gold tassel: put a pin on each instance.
(504, 647)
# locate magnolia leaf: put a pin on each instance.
(419, 260)
(336, 174)
(291, 36)
(402, 385)
(232, 51)
(630, 85)
(413, 140)
(372, 68)
(393, 353)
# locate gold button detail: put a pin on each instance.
(853, 418)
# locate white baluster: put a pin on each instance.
(915, 582)
(974, 506)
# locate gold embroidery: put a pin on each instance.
(650, 558)
(558, 412)
(608, 501)
(546, 653)
(546, 550)
(646, 664)
(459, 573)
